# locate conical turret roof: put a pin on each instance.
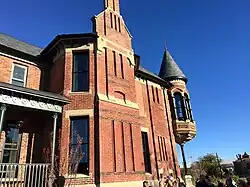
(169, 69)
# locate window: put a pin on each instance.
(114, 57)
(146, 152)
(188, 107)
(80, 145)
(80, 71)
(121, 61)
(153, 93)
(157, 95)
(111, 20)
(115, 23)
(119, 24)
(179, 107)
(19, 75)
(12, 144)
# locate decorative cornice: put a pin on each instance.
(89, 46)
(29, 102)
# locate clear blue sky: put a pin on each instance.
(209, 39)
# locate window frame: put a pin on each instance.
(18, 144)
(24, 76)
(83, 143)
(146, 153)
(182, 107)
(73, 89)
(188, 107)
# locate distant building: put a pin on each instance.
(227, 164)
(242, 165)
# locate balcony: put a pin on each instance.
(23, 175)
(184, 131)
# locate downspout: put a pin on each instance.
(96, 120)
(169, 131)
(153, 134)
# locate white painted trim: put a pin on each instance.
(25, 72)
(18, 59)
(77, 176)
(79, 93)
(83, 47)
(75, 113)
(29, 103)
(114, 100)
(142, 81)
(144, 129)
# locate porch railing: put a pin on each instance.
(23, 175)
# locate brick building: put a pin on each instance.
(129, 118)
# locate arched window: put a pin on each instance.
(188, 107)
(179, 107)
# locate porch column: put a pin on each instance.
(2, 110)
(54, 141)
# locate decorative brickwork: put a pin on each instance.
(120, 104)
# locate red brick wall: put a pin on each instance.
(57, 75)
(33, 72)
(119, 126)
(104, 25)
(118, 154)
(79, 101)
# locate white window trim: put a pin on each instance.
(25, 73)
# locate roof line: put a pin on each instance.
(21, 40)
(58, 38)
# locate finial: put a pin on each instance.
(166, 46)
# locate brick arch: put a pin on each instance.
(120, 95)
(175, 90)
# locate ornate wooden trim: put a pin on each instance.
(11, 98)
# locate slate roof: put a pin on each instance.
(169, 69)
(33, 92)
(19, 45)
(150, 73)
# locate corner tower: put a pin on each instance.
(182, 117)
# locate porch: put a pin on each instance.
(28, 127)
